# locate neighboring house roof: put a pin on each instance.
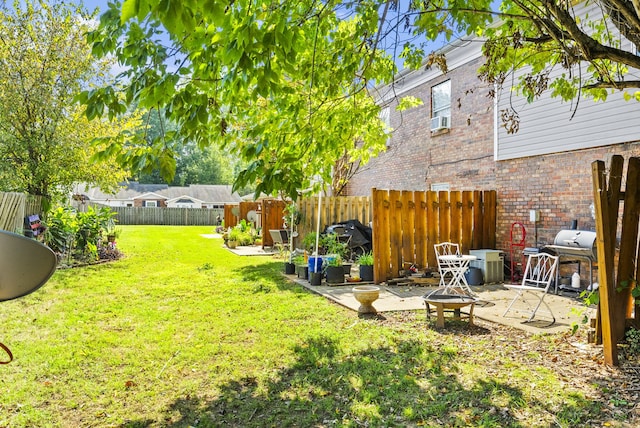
(207, 193)
(150, 196)
(183, 198)
(204, 192)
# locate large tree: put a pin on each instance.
(45, 136)
(288, 84)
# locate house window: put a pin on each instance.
(151, 204)
(441, 105)
(437, 187)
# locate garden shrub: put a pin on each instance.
(80, 236)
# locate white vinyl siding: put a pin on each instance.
(546, 125)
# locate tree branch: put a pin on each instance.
(624, 84)
(589, 48)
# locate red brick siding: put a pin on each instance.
(558, 185)
(416, 158)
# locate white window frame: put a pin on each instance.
(151, 204)
(439, 187)
(445, 109)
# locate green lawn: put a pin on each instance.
(183, 333)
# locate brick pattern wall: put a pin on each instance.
(558, 185)
(461, 156)
(161, 203)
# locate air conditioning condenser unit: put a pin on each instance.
(491, 263)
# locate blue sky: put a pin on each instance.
(103, 4)
(92, 4)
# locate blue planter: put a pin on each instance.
(312, 264)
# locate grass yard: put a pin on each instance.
(183, 333)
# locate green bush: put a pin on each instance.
(78, 235)
(365, 259)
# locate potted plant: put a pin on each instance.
(309, 242)
(301, 267)
(335, 271)
(233, 237)
(332, 245)
(112, 235)
(365, 262)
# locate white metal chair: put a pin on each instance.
(538, 276)
(445, 269)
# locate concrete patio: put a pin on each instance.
(493, 300)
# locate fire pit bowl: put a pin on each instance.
(366, 295)
(448, 302)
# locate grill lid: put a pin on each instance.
(580, 243)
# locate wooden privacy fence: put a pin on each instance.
(166, 216)
(334, 209)
(616, 299)
(406, 225)
(271, 218)
(14, 207)
(270, 212)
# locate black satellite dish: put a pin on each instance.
(25, 265)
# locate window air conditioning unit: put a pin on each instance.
(439, 122)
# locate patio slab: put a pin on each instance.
(493, 301)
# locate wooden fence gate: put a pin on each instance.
(270, 211)
(617, 302)
(406, 225)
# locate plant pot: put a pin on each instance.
(335, 274)
(289, 268)
(232, 244)
(366, 272)
(315, 264)
(315, 278)
(347, 268)
(302, 271)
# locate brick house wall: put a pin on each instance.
(140, 203)
(558, 185)
(416, 158)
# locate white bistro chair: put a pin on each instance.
(538, 276)
(445, 269)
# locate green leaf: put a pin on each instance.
(129, 10)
